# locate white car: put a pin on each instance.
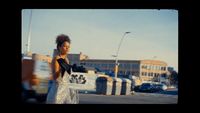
(161, 86)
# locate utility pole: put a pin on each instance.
(29, 34)
(116, 60)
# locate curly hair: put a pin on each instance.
(61, 39)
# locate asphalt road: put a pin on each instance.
(166, 97)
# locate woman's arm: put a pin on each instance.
(55, 68)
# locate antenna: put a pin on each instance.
(29, 34)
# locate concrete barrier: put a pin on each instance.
(126, 87)
(104, 85)
(116, 89)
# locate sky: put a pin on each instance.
(97, 32)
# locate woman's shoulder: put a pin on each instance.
(56, 57)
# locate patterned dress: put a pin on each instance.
(60, 93)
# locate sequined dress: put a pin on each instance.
(60, 93)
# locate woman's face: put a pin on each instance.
(64, 49)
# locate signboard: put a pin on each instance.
(42, 69)
(82, 81)
(42, 88)
(42, 72)
(77, 80)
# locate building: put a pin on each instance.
(76, 58)
(147, 70)
(152, 69)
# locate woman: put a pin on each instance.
(60, 93)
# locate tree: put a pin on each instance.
(173, 78)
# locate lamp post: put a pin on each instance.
(116, 60)
(29, 35)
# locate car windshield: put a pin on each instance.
(159, 85)
(146, 85)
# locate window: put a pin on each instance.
(143, 66)
(159, 67)
(123, 65)
(164, 68)
(154, 67)
(150, 67)
(128, 72)
(147, 66)
(136, 73)
(142, 73)
(127, 66)
(135, 66)
(120, 66)
(111, 65)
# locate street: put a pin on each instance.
(165, 97)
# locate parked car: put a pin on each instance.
(147, 87)
(136, 88)
(160, 87)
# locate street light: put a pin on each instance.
(116, 61)
(29, 35)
